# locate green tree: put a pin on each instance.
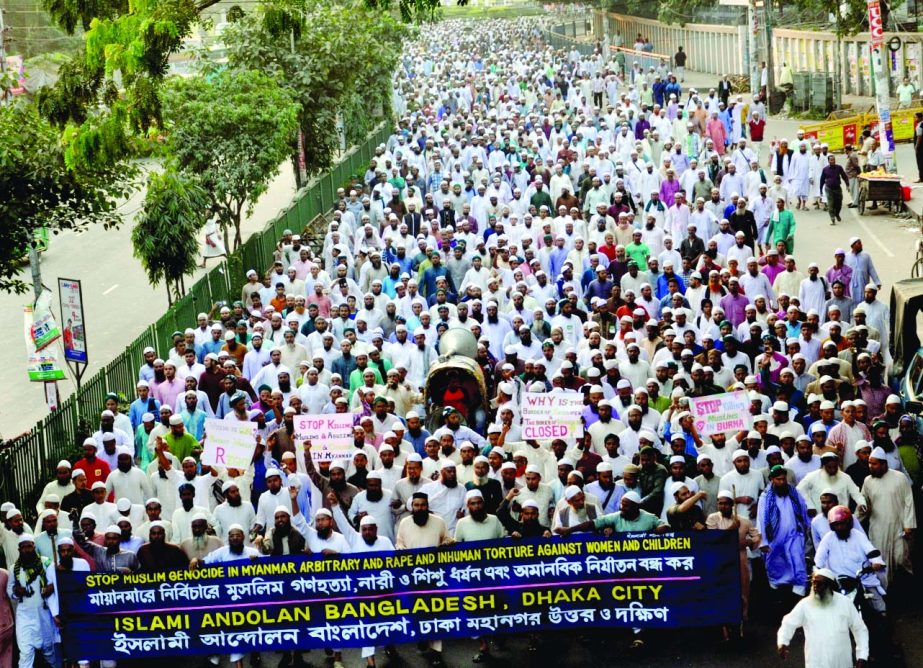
(176, 208)
(333, 57)
(232, 130)
(40, 187)
(136, 39)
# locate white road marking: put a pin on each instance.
(117, 285)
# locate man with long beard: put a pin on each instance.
(366, 539)
(232, 511)
(445, 496)
(782, 519)
(423, 529)
(158, 554)
(891, 517)
(12, 529)
(32, 586)
(747, 537)
(109, 557)
(488, 487)
(66, 559)
(405, 488)
(373, 501)
(828, 618)
(235, 550)
(478, 525)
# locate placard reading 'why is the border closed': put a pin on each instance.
(551, 416)
(357, 600)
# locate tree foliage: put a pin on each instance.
(232, 130)
(41, 187)
(331, 56)
(176, 207)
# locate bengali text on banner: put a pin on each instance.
(354, 600)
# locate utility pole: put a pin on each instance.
(880, 77)
(753, 36)
(767, 10)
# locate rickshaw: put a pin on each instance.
(456, 374)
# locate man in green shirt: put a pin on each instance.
(781, 227)
(638, 251)
(630, 517)
(181, 444)
(541, 196)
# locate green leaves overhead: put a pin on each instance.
(233, 131)
(327, 55)
(40, 187)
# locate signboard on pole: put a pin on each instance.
(41, 365)
(552, 416)
(228, 443)
(882, 92)
(331, 435)
(721, 413)
(72, 317)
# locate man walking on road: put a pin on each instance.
(830, 177)
(679, 64)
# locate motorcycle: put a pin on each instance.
(875, 620)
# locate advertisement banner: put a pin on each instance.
(45, 330)
(356, 600)
(331, 435)
(551, 416)
(41, 365)
(228, 443)
(721, 413)
(75, 336)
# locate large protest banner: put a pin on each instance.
(550, 416)
(721, 412)
(229, 443)
(355, 600)
(331, 435)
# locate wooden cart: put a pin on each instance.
(885, 189)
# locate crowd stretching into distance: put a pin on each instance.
(600, 230)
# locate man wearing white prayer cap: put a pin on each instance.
(235, 550)
(200, 544)
(891, 517)
(478, 524)
(62, 485)
(36, 601)
(282, 538)
(127, 480)
(446, 495)
(109, 557)
(66, 559)
(746, 482)
(828, 619)
(334, 481)
(575, 510)
(234, 510)
(374, 501)
(748, 537)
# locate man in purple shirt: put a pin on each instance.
(840, 271)
(734, 303)
(669, 187)
(773, 267)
